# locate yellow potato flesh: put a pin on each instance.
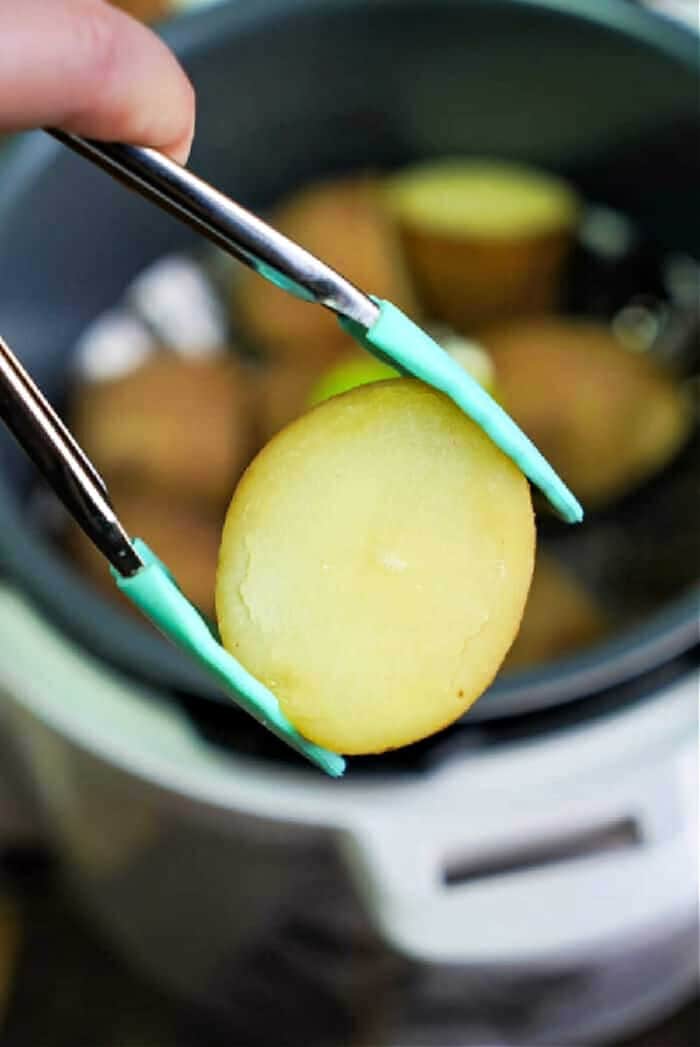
(374, 566)
(459, 198)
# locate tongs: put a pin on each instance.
(228, 225)
(378, 325)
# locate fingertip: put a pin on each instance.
(181, 148)
(125, 84)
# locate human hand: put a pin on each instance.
(86, 67)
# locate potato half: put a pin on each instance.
(483, 240)
(606, 418)
(344, 223)
(374, 566)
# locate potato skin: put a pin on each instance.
(281, 395)
(483, 240)
(474, 281)
(179, 427)
(374, 566)
(606, 418)
(343, 222)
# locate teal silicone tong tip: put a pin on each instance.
(155, 592)
(404, 345)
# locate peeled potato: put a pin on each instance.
(560, 617)
(483, 240)
(183, 537)
(179, 426)
(605, 417)
(343, 222)
(374, 566)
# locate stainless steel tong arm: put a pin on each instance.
(227, 224)
(63, 463)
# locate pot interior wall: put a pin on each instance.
(292, 90)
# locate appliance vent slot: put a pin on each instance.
(620, 835)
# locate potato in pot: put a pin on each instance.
(606, 417)
(343, 221)
(178, 426)
(483, 240)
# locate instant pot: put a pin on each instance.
(529, 876)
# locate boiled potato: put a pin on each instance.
(183, 427)
(605, 417)
(184, 537)
(483, 240)
(343, 223)
(561, 617)
(374, 566)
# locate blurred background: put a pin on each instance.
(522, 177)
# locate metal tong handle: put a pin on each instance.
(227, 224)
(62, 462)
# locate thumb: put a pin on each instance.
(86, 67)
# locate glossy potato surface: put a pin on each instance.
(374, 566)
